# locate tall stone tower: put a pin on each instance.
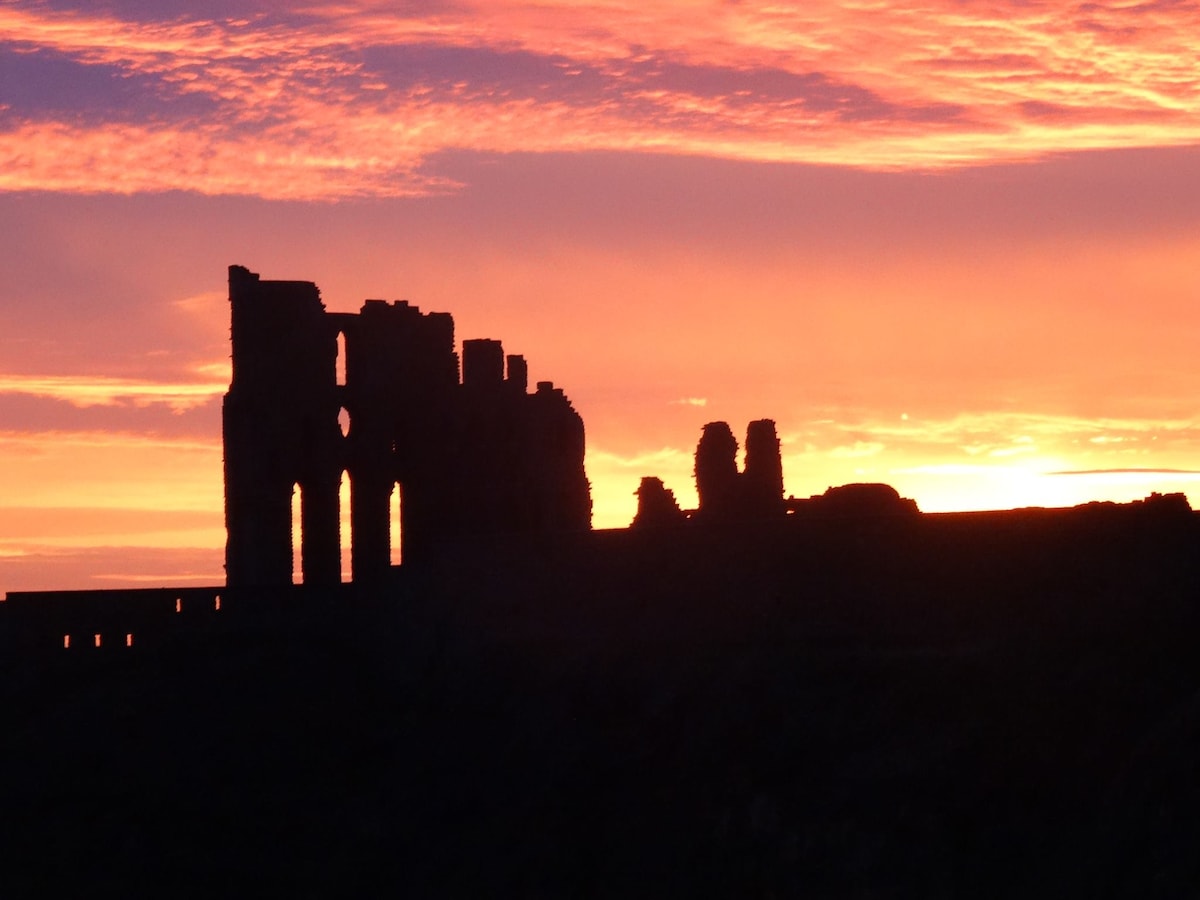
(280, 421)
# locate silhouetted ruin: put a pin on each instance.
(755, 494)
(857, 500)
(657, 506)
(762, 480)
(831, 696)
(458, 459)
(716, 470)
(727, 495)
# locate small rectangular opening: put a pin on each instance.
(178, 604)
(97, 640)
(217, 602)
(129, 640)
(66, 642)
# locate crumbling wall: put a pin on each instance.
(717, 472)
(726, 494)
(657, 506)
(280, 423)
(762, 480)
(476, 457)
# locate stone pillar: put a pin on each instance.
(763, 478)
(320, 535)
(370, 524)
(716, 472)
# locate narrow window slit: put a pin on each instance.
(340, 361)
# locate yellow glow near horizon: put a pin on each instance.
(947, 487)
(44, 547)
(85, 489)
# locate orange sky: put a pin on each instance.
(954, 250)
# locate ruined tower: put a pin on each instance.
(280, 424)
(762, 488)
(459, 459)
(727, 495)
(717, 472)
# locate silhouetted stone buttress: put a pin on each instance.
(762, 480)
(728, 495)
(657, 506)
(457, 459)
(280, 420)
(716, 471)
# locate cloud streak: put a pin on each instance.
(95, 390)
(358, 99)
(1134, 472)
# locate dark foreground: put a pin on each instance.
(955, 709)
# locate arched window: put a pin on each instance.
(297, 568)
(396, 517)
(344, 525)
(341, 358)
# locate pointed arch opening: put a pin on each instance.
(344, 527)
(395, 524)
(297, 572)
(340, 363)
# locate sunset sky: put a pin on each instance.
(953, 246)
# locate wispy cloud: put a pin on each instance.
(639, 460)
(1130, 471)
(96, 390)
(857, 450)
(358, 98)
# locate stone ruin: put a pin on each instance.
(725, 494)
(453, 459)
(755, 494)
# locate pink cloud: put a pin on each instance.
(354, 99)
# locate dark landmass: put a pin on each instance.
(832, 697)
(987, 706)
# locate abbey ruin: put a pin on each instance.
(766, 695)
(457, 458)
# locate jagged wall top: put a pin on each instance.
(469, 458)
